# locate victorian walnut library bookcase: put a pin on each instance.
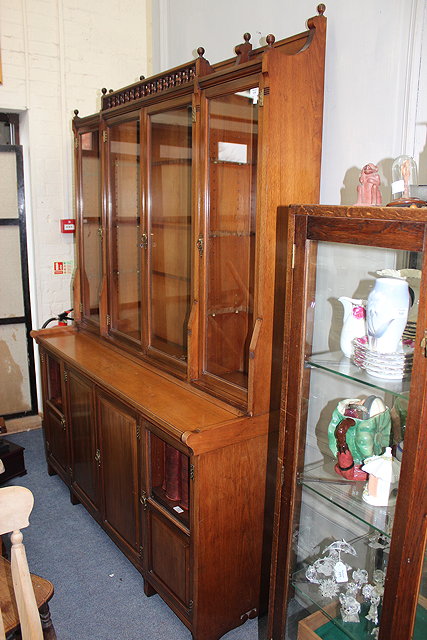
(161, 402)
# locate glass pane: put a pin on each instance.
(91, 222)
(11, 293)
(8, 185)
(15, 396)
(54, 388)
(233, 134)
(169, 478)
(420, 629)
(170, 230)
(125, 228)
(361, 319)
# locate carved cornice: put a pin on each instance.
(152, 86)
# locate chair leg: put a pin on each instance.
(47, 625)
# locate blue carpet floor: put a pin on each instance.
(98, 593)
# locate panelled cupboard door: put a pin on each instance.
(85, 454)
(118, 443)
(350, 528)
(167, 559)
(57, 440)
(54, 419)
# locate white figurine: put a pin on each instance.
(372, 614)
(350, 608)
(383, 471)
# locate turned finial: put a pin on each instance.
(246, 36)
(103, 91)
(76, 113)
(270, 39)
(200, 52)
(142, 77)
(321, 8)
(111, 91)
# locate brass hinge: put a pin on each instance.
(98, 457)
(108, 320)
(293, 256)
(191, 471)
(190, 604)
(423, 344)
(141, 550)
(63, 424)
(138, 432)
(42, 358)
(105, 135)
(65, 376)
(81, 307)
(282, 475)
(200, 244)
(101, 232)
(193, 114)
(261, 98)
(76, 142)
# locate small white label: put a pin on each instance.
(340, 572)
(398, 186)
(232, 152)
(254, 93)
(178, 509)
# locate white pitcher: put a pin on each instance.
(354, 325)
(387, 313)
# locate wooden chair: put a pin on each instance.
(23, 596)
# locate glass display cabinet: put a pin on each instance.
(350, 527)
(171, 372)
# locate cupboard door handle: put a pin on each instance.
(143, 500)
(144, 241)
(200, 244)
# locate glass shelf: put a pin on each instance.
(335, 362)
(322, 480)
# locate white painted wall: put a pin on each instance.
(56, 57)
(372, 95)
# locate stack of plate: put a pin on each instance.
(390, 366)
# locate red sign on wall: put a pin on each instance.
(58, 268)
(68, 225)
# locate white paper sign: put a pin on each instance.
(232, 152)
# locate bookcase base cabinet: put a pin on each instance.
(200, 548)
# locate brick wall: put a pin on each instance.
(56, 57)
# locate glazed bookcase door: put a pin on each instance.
(228, 245)
(90, 222)
(321, 506)
(168, 234)
(125, 242)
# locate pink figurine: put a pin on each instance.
(368, 192)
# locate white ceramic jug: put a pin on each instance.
(387, 313)
(354, 325)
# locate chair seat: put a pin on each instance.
(43, 590)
